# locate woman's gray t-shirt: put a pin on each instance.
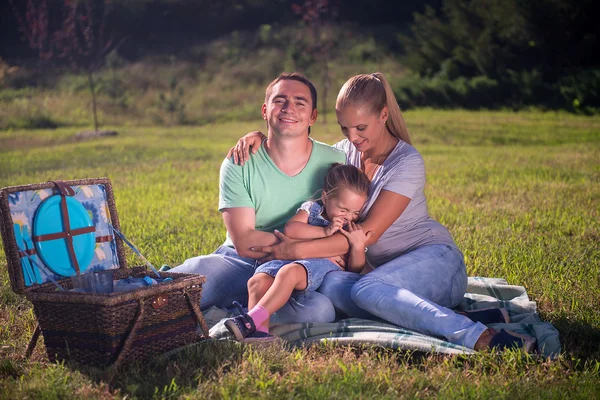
(403, 172)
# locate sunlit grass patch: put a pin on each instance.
(520, 193)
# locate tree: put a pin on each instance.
(69, 30)
(318, 15)
(513, 52)
(494, 37)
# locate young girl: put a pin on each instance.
(343, 197)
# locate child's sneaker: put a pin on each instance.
(240, 326)
(504, 340)
(260, 337)
(488, 315)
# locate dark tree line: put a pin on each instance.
(505, 52)
(467, 53)
(167, 25)
(476, 37)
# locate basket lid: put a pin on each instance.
(51, 231)
(69, 250)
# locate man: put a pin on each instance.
(260, 196)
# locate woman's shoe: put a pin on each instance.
(510, 340)
(488, 315)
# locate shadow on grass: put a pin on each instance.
(578, 339)
(187, 366)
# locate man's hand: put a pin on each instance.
(335, 225)
(284, 250)
(355, 235)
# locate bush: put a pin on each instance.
(579, 92)
(478, 92)
(31, 122)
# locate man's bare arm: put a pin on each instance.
(240, 223)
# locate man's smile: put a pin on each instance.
(288, 120)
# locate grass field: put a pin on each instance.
(520, 193)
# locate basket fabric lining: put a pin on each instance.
(23, 205)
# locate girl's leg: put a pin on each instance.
(289, 278)
(303, 305)
(258, 285)
(301, 308)
(417, 290)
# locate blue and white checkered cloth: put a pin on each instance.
(481, 293)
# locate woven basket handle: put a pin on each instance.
(33, 341)
(131, 335)
(139, 317)
(197, 313)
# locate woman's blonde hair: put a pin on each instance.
(374, 91)
(345, 176)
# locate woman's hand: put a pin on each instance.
(284, 250)
(366, 269)
(355, 235)
(340, 261)
(241, 150)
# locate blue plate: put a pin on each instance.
(54, 253)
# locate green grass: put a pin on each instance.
(520, 193)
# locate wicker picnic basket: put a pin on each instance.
(99, 329)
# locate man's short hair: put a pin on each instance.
(294, 76)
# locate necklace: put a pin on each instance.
(373, 167)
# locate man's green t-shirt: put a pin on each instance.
(275, 196)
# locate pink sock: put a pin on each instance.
(259, 315)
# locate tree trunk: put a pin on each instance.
(93, 90)
(325, 87)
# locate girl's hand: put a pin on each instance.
(335, 225)
(356, 236)
(241, 150)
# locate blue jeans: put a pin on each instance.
(415, 290)
(316, 269)
(227, 276)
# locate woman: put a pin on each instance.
(418, 272)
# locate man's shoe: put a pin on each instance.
(240, 326)
(488, 316)
(506, 340)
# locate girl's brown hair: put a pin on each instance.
(343, 176)
(374, 91)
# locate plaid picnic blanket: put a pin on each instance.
(481, 293)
